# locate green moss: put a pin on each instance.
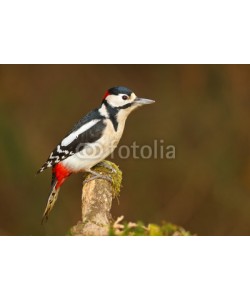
(115, 176)
(139, 229)
(154, 229)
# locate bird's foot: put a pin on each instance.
(107, 166)
(97, 175)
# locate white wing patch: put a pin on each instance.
(71, 137)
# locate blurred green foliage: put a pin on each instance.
(119, 228)
(203, 110)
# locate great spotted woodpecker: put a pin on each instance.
(91, 140)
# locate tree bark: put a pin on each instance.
(97, 196)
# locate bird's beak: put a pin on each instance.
(143, 101)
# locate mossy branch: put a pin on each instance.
(97, 196)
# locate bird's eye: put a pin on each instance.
(125, 97)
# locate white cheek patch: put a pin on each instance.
(70, 138)
(116, 100)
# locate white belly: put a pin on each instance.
(94, 153)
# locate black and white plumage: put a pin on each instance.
(87, 130)
(92, 139)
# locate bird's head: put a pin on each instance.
(123, 100)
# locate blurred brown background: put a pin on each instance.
(201, 109)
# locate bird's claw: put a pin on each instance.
(107, 166)
(99, 176)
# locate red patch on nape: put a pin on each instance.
(106, 95)
(61, 174)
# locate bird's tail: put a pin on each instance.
(59, 175)
(52, 199)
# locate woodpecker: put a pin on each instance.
(91, 140)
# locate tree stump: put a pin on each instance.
(97, 196)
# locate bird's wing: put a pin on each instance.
(88, 130)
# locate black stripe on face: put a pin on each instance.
(125, 106)
(113, 111)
